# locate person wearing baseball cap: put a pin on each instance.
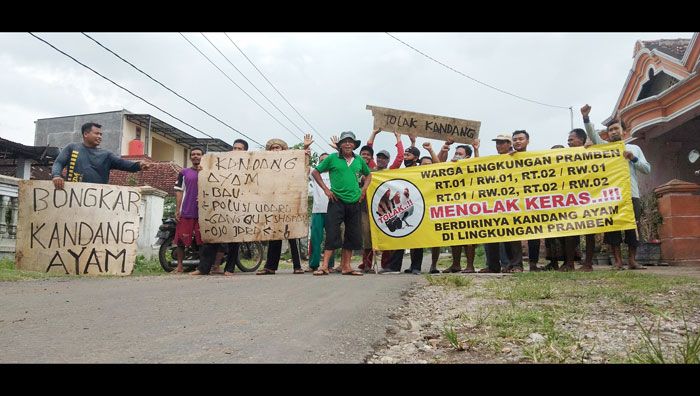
(383, 163)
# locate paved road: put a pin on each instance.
(246, 318)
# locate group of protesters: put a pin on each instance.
(339, 185)
(343, 200)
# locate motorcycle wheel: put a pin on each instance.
(165, 255)
(250, 256)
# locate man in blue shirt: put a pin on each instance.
(88, 164)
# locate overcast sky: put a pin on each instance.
(328, 77)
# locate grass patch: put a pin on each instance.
(8, 272)
(451, 335)
(144, 267)
(626, 287)
(450, 280)
(544, 302)
(653, 351)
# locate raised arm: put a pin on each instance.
(429, 147)
(475, 145)
(398, 160)
(585, 111)
(445, 150)
(370, 141)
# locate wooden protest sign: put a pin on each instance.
(85, 228)
(425, 125)
(253, 196)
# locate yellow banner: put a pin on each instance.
(531, 195)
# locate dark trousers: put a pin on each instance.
(416, 259)
(493, 256)
(274, 251)
(232, 256)
(207, 256)
(514, 250)
(613, 237)
(533, 250)
(396, 260)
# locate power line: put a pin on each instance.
(254, 86)
(164, 86)
(125, 89)
(273, 86)
(251, 83)
(474, 79)
(238, 86)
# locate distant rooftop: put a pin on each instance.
(673, 47)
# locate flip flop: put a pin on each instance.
(468, 271)
(265, 271)
(353, 273)
(321, 272)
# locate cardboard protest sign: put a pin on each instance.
(253, 196)
(425, 125)
(85, 228)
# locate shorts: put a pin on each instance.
(185, 230)
(348, 214)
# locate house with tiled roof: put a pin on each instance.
(660, 105)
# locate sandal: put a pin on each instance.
(353, 273)
(451, 270)
(265, 271)
(468, 271)
(298, 271)
(487, 271)
(321, 272)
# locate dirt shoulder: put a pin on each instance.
(598, 317)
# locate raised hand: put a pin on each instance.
(428, 146)
(413, 140)
(585, 110)
(476, 143)
(334, 142)
(308, 140)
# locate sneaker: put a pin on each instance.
(407, 271)
(415, 272)
(389, 272)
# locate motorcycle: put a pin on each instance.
(250, 254)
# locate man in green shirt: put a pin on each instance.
(344, 199)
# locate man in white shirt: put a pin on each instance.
(318, 217)
(616, 132)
